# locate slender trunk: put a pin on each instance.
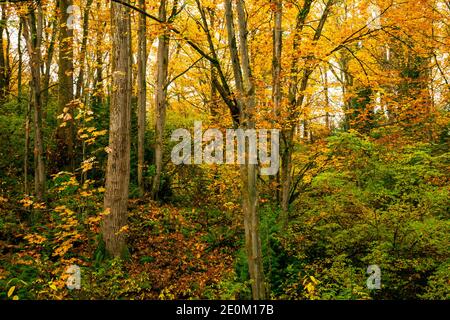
(27, 143)
(327, 100)
(32, 29)
(276, 76)
(142, 95)
(19, 64)
(48, 64)
(118, 168)
(276, 58)
(296, 97)
(65, 135)
(247, 97)
(160, 100)
(98, 82)
(287, 134)
(213, 103)
(4, 57)
(82, 58)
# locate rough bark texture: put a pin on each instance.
(118, 168)
(160, 100)
(247, 100)
(65, 135)
(32, 30)
(142, 95)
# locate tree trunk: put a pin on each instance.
(27, 144)
(4, 57)
(160, 100)
(276, 63)
(65, 135)
(48, 64)
(118, 167)
(142, 95)
(98, 80)
(287, 134)
(296, 97)
(276, 76)
(82, 58)
(245, 84)
(32, 30)
(327, 99)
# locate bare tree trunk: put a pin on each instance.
(4, 57)
(327, 99)
(65, 135)
(246, 87)
(160, 100)
(276, 75)
(142, 95)
(27, 143)
(48, 64)
(214, 98)
(82, 58)
(32, 30)
(118, 168)
(19, 63)
(98, 82)
(276, 63)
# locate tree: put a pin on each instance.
(296, 96)
(247, 100)
(5, 66)
(32, 31)
(65, 133)
(162, 62)
(142, 94)
(118, 167)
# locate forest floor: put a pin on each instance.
(173, 253)
(178, 251)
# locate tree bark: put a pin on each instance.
(5, 70)
(65, 135)
(142, 96)
(160, 100)
(247, 98)
(277, 39)
(80, 80)
(48, 64)
(32, 30)
(276, 63)
(98, 80)
(118, 167)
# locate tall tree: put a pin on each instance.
(276, 57)
(65, 135)
(83, 48)
(5, 68)
(118, 167)
(32, 31)
(142, 94)
(162, 62)
(247, 100)
(297, 86)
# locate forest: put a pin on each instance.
(224, 149)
